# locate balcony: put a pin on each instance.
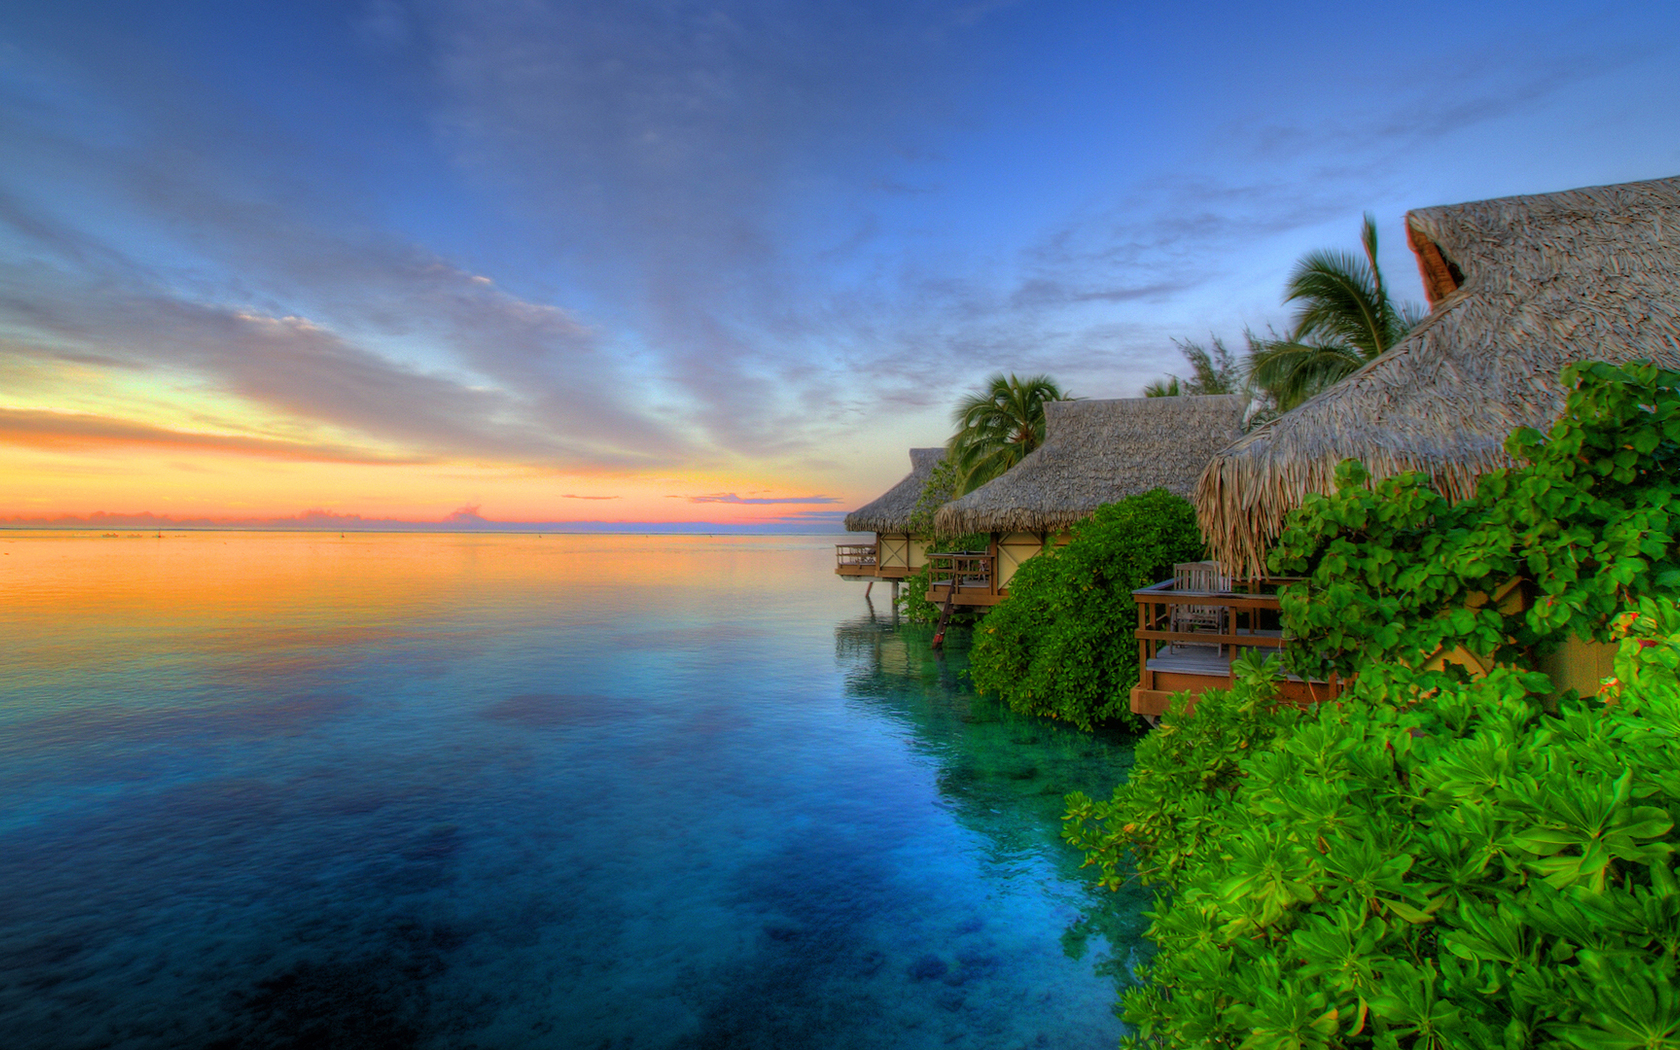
(855, 561)
(1192, 626)
(963, 578)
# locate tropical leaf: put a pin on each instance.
(997, 426)
(1344, 320)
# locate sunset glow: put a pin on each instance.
(573, 262)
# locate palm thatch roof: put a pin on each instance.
(890, 512)
(1519, 287)
(1096, 452)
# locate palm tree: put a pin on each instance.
(1345, 320)
(997, 425)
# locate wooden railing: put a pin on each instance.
(854, 555)
(1188, 638)
(1246, 615)
(961, 572)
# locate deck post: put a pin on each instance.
(1145, 612)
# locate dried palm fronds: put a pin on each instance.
(1519, 287)
(1097, 452)
(890, 512)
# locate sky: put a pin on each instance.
(519, 260)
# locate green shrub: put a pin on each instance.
(913, 603)
(1586, 526)
(1183, 772)
(1432, 861)
(939, 489)
(1061, 644)
(1415, 866)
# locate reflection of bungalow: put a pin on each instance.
(895, 553)
(1519, 287)
(1094, 452)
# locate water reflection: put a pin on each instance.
(1004, 775)
(267, 791)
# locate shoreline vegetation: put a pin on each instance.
(1460, 849)
(1442, 857)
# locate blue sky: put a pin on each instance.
(394, 258)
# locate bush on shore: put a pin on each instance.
(940, 488)
(1061, 644)
(1433, 860)
(1415, 866)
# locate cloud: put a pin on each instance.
(593, 235)
(813, 517)
(568, 495)
(683, 153)
(67, 431)
(730, 497)
(259, 287)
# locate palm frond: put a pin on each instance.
(999, 424)
(1344, 320)
(1293, 372)
(1339, 304)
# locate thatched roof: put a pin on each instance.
(1096, 452)
(890, 512)
(1519, 287)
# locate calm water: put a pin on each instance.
(450, 791)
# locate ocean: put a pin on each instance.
(298, 789)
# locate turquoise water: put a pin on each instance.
(280, 790)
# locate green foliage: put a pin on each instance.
(1433, 861)
(1183, 772)
(997, 426)
(1061, 644)
(1345, 319)
(1212, 371)
(1415, 866)
(1396, 573)
(1171, 386)
(939, 489)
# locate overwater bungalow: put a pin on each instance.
(894, 552)
(1094, 452)
(1518, 287)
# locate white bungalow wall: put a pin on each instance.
(1013, 548)
(892, 550)
(1580, 665)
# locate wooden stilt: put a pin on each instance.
(867, 589)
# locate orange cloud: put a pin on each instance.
(72, 431)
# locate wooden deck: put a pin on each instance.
(856, 561)
(1187, 640)
(893, 556)
(963, 578)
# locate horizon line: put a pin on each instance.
(423, 529)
